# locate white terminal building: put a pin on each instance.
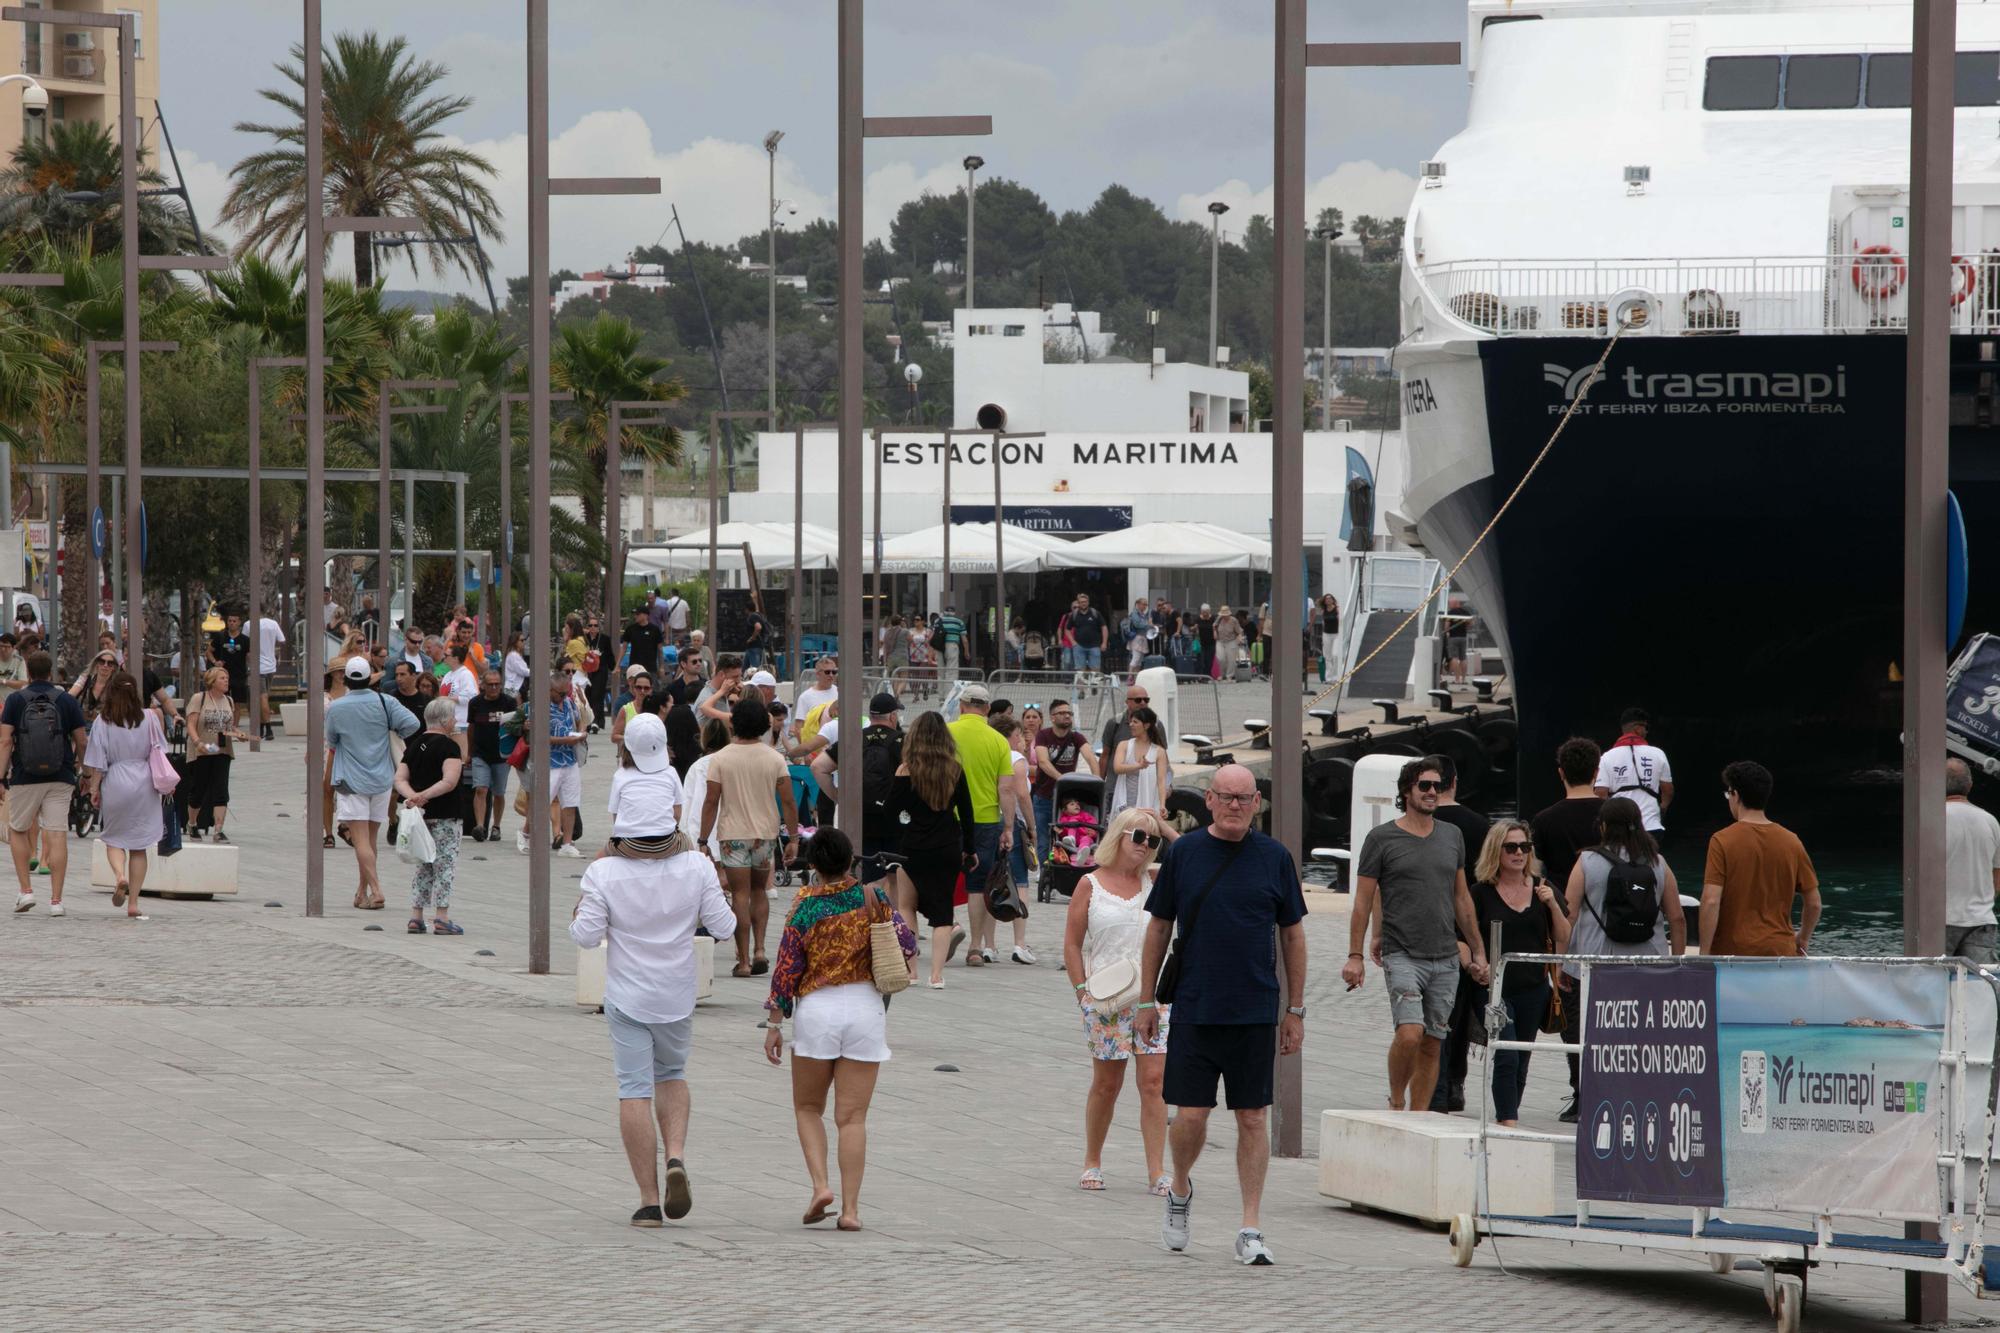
(1110, 445)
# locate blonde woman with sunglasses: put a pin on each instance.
(1107, 924)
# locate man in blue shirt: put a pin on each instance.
(1228, 888)
(364, 768)
(565, 778)
(42, 740)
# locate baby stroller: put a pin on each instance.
(1072, 849)
(1034, 651)
(791, 862)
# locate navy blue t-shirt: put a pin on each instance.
(1229, 965)
(68, 710)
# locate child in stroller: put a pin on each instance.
(1079, 802)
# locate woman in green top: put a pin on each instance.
(641, 686)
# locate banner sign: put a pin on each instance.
(1650, 1127)
(1799, 1086)
(1078, 520)
(1972, 707)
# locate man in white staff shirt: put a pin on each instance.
(269, 636)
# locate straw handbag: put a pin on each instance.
(885, 951)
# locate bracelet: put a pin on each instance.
(1354, 955)
(1081, 984)
(1146, 1004)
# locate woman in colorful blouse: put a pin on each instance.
(824, 981)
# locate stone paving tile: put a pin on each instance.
(231, 1117)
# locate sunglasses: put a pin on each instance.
(1141, 838)
(1517, 848)
(1138, 699)
(1429, 784)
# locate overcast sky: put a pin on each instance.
(1171, 98)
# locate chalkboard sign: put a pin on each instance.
(732, 618)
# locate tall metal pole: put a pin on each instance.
(614, 518)
(313, 585)
(851, 129)
(795, 657)
(129, 134)
(253, 620)
(999, 563)
(1926, 456)
(1215, 212)
(93, 492)
(458, 543)
(503, 576)
(771, 259)
(410, 548)
(947, 600)
(972, 166)
(385, 582)
(1288, 337)
(539, 568)
(714, 524)
(876, 442)
(1326, 338)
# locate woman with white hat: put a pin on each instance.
(1102, 941)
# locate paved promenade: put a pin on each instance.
(230, 1117)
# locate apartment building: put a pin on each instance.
(77, 65)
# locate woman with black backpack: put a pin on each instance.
(1622, 898)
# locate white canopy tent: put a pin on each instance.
(1165, 546)
(922, 551)
(770, 547)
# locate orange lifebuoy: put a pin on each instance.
(1883, 279)
(1960, 264)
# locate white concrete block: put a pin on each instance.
(197, 870)
(1421, 1165)
(590, 972)
(293, 717)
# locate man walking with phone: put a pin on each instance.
(1227, 888)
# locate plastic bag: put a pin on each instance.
(413, 837)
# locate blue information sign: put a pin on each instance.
(97, 532)
(1649, 1095)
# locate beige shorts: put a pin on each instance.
(46, 803)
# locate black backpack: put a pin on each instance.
(40, 747)
(881, 755)
(1631, 903)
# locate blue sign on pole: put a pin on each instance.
(1957, 570)
(97, 532)
(508, 540)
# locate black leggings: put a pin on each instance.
(208, 777)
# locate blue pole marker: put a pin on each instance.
(97, 532)
(1957, 570)
(507, 533)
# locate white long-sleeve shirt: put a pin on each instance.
(649, 909)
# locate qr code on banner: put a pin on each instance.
(1751, 1113)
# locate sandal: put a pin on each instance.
(416, 926)
(345, 836)
(740, 970)
(760, 967)
(327, 841)
(118, 895)
(1092, 1179)
(446, 928)
(376, 904)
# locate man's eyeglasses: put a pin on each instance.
(1517, 848)
(1231, 798)
(1429, 784)
(1138, 699)
(1141, 838)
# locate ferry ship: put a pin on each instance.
(1717, 535)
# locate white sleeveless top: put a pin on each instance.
(1140, 790)
(1115, 928)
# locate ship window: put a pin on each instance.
(1741, 83)
(1816, 83)
(1976, 80)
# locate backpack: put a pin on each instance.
(1631, 903)
(41, 748)
(881, 755)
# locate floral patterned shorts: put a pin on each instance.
(1110, 1036)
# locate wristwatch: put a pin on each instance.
(1296, 1010)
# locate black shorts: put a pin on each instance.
(1241, 1055)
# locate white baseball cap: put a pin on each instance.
(646, 742)
(765, 679)
(357, 668)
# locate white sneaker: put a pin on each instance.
(1174, 1227)
(569, 849)
(56, 909)
(1251, 1249)
(24, 903)
(990, 955)
(1023, 954)
(521, 843)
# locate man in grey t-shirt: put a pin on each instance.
(1411, 882)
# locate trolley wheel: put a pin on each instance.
(1771, 1288)
(1464, 1235)
(1791, 1302)
(1721, 1263)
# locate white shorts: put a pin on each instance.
(566, 786)
(842, 1023)
(354, 808)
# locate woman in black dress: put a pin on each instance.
(933, 806)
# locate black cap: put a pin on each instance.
(884, 704)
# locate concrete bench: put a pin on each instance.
(1420, 1165)
(197, 870)
(292, 716)
(590, 972)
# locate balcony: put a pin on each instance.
(1851, 293)
(58, 60)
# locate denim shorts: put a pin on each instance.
(647, 1053)
(1421, 990)
(490, 776)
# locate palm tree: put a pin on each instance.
(66, 186)
(600, 363)
(385, 156)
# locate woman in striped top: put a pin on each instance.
(824, 981)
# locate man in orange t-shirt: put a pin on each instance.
(1755, 869)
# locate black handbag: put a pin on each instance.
(1003, 899)
(1170, 971)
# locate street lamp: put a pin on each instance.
(771, 256)
(972, 164)
(1215, 212)
(913, 375)
(1329, 234)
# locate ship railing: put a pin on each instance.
(1837, 293)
